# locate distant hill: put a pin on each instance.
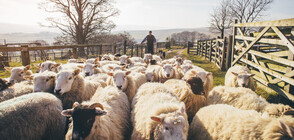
(26, 37)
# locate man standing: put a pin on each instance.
(150, 42)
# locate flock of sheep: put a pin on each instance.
(117, 98)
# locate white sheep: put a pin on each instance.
(168, 71)
(190, 92)
(33, 116)
(18, 89)
(91, 61)
(105, 116)
(246, 99)
(158, 115)
(240, 76)
(127, 82)
(152, 73)
(112, 67)
(18, 73)
(123, 59)
(102, 63)
(138, 69)
(71, 86)
(223, 122)
(108, 57)
(205, 76)
(44, 82)
(156, 58)
(187, 62)
(48, 65)
(100, 78)
(137, 59)
(90, 69)
(147, 57)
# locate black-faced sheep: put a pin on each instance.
(34, 116)
(4, 84)
(105, 116)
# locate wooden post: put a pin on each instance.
(188, 50)
(113, 48)
(234, 42)
(75, 53)
(229, 52)
(288, 87)
(100, 50)
(223, 54)
(132, 51)
(25, 55)
(137, 50)
(205, 49)
(125, 47)
(210, 52)
(142, 52)
(197, 47)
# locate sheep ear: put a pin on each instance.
(29, 77)
(143, 72)
(27, 67)
(157, 119)
(57, 65)
(97, 64)
(193, 72)
(75, 104)
(110, 67)
(208, 73)
(38, 65)
(83, 60)
(110, 74)
(236, 74)
(179, 67)
(8, 68)
(67, 113)
(288, 130)
(181, 109)
(79, 66)
(251, 75)
(128, 72)
(76, 72)
(96, 60)
(99, 112)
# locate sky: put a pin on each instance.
(141, 14)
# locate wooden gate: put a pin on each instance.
(268, 53)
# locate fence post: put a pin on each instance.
(188, 50)
(142, 51)
(75, 53)
(234, 41)
(137, 50)
(25, 55)
(132, 50)
(229, 52)
(113, 48)
(223, 53)
(288, 87)
(210, 52)
(205, 50)
(125, 47)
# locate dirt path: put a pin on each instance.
(178, 52)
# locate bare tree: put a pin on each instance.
(81, 19)
(221, 18)
(249, 10)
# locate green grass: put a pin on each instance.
(4, 73)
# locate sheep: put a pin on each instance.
(100, 78)
(157, 58)
(18, 73)
(179, 61)
(127, 82)
(105, 116)
(18, 89)
(158, 115)
(34, 116)
(112, 67)
(185, 68)
(108, 57)
(246, 99)
(190, 92)
(138, 69)
(168, 72)
(152, 73)
(220, 122)
(44, 82)
(169, 61)
(240, 76)
(48, 65)
(71, 86)
(147, 57)
(205, 76)
(72, 61)
(102, 63)
(91, 61)
(136, 59)
(90, 69)
(123, 59)
(4, 84)
(187, 62)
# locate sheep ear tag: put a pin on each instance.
(156, 119)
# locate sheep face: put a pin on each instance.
(203, 75)
(150, 76)
(179, 61)
(83, 117)
(64, 81)
(196, 85)
(123, 59)
(242, 79)
(168, 71)
(106, 57)
(185, 68)
(120, 79)
(4, 84)
(170, 126)
(44, 83)
(50, 66)
(89, 69)
(17, 73)
(147, 57)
